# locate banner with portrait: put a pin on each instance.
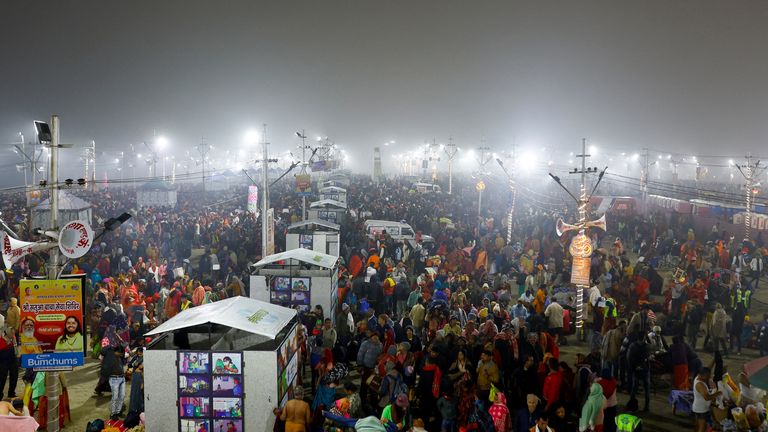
(52, 335)
(253, 199)
(303, 185)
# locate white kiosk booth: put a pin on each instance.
(327, 210)
(221, 365)
(334, 193)
(314, 234)
(299, 279)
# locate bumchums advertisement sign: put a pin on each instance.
(52, 333)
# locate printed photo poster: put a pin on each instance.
(282, 283)
(228, 425)
(306, 241)
(280, 291)
(287, 366)
(227, 363)
(195, 425)
(300, 284)
(52, 331)
(300, 291)
(210, 391)
(192, 362)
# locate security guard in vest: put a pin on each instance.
(628, 423)
(741, 298)
(610, 307)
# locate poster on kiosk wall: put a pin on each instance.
(52, 335)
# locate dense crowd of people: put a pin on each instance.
(462, 333)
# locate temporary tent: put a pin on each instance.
(156, 193)
(297, 278)
(70, 208)
(256, 339)
(314, 234)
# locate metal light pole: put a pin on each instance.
(450, 151)
(303, 137)
(52, 390)
(264, 192)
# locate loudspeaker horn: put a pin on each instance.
(14, 250)
(562, 227)
(75, 239)
(600, 223)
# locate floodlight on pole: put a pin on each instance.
(161, 142)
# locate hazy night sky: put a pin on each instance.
(688, 76)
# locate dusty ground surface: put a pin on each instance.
(85, 407)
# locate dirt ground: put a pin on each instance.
(85, 407)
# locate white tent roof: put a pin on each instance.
(332, 189)
(303, 255)
(326, 203)
(67, 201)
(318, 222)
(242, 313)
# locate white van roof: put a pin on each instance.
(370, 222)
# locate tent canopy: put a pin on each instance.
(302, 255)
(157, 185)
(67, 201)
(318, 222)
(242, 313)
(328, 203)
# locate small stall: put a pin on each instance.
(221, 366)
(298, 278)
(314, 234)
(70, 208)
(334, 193)
(327, 210)
(156, 193)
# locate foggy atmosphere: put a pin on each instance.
(501, 216)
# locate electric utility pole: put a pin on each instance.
(203, 148)
(52, 390)
(750, 171)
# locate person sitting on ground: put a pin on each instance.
(7, 408)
